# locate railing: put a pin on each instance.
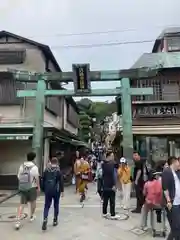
(20, 121)
(4, 120)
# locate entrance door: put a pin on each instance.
(158, 149)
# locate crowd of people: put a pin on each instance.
(153, 187)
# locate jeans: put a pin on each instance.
(109, 196)
(49, 197)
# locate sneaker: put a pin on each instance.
(136, 211)
(17, 225)
(32, 218)
(115, 217)
(55, 222)
(44, 225)
(125, 208)
(105, 215)
(145, 228)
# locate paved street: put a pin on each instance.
(75, 222)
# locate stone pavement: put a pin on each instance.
(76, 223)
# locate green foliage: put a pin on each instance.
(85, 122)
(92, 110)
(103, 109)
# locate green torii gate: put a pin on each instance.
(82, 78)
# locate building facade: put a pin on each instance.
(156, 118)
(17, 114)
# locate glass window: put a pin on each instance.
(159, 149)
(173, 43)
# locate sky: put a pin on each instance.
(62, 24)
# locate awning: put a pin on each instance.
(156, 130)
(72, 141)
(80, 143)
(65, 140)
(15, 136)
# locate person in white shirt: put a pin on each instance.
(29, 186)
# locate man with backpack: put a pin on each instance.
(53, 187)
(29, 186)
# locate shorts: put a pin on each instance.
(28, 196)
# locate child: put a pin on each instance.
(124, 174)
(153, 197)
(53, 187)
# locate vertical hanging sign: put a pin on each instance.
(81, 78)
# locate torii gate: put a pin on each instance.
(82, 78)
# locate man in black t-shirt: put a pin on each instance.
(140, 176)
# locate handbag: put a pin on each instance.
(73, 180)
(84, 176)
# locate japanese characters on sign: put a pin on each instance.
(24, 137)
(156, 111)
(81, 78)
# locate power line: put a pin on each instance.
(101, 32)
(94, 45)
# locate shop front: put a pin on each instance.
(13, 150)
(156, 146)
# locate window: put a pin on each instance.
(72, 116)
(159, 149)
(173, 44)
(12, 56)
(170, 92)
(145, 83)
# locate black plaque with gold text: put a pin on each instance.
(81, 78)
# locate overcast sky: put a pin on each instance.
(47, 20)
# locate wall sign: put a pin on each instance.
(23, 137)
(156, 111)
(81, 78)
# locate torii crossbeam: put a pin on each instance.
(82, 77)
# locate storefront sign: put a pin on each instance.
(9, 137)
(156, 111)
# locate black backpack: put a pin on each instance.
(52, 180)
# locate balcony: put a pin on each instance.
(20, 122)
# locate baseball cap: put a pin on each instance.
(123, 160)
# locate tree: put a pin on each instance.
(93, 110)
(84, 128)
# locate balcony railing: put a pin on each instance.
(20, 122)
